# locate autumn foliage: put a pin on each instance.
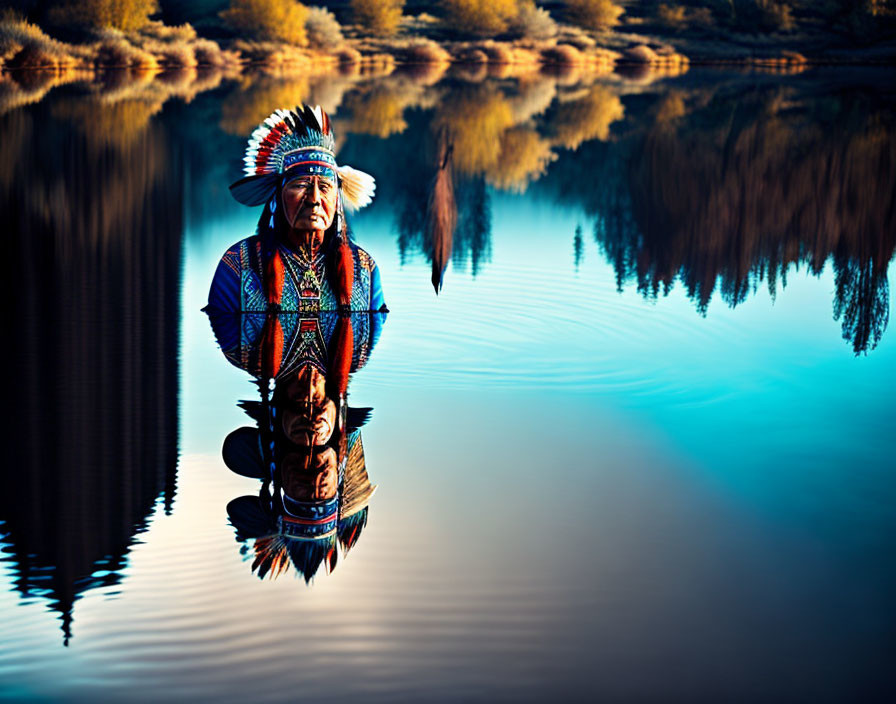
(483, 18)
(269, 20)
(126, 15)
(594, 14)
(379, 17)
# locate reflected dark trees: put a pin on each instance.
(91, 336)
(473, 237)
(578, 246)
(861, 302)
(747, 185)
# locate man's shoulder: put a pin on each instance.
(247, 243)
(236, 252)
(364, 257)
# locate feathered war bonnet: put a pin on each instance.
(290, 143)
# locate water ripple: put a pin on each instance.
(490, 333)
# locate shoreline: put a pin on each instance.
(27, 47)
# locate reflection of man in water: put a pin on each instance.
(301, 257)
(316, 489)
(308, 415)
(310, 474)
(308, 467)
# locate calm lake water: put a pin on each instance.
(638, 448)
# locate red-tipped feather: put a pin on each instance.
(349, 541)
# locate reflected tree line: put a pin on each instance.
(93, 242)
(723, 188)
(731, 194)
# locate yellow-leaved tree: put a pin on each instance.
(269, 20)
(594, 14)
(126, 15)
(379, 17)
(587, 118)
(481, 18)
(475, 120)
(524, 156)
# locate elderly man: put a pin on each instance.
(301, 258)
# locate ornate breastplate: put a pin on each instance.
(306, 274)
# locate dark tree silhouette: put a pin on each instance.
(861, 303)
(90, 346)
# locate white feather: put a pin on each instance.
(358, 187)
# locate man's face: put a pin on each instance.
(308, 416)
(309, 203)
(310, 475)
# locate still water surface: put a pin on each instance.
(638, 447)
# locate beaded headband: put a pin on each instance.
(310, 161)
(308, 520)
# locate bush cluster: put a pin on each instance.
(126, 15)
(323, 29)
(269, 20)
(480, 18)
(593, 14)
(25, 45)
(533, 22)
(379, 17)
